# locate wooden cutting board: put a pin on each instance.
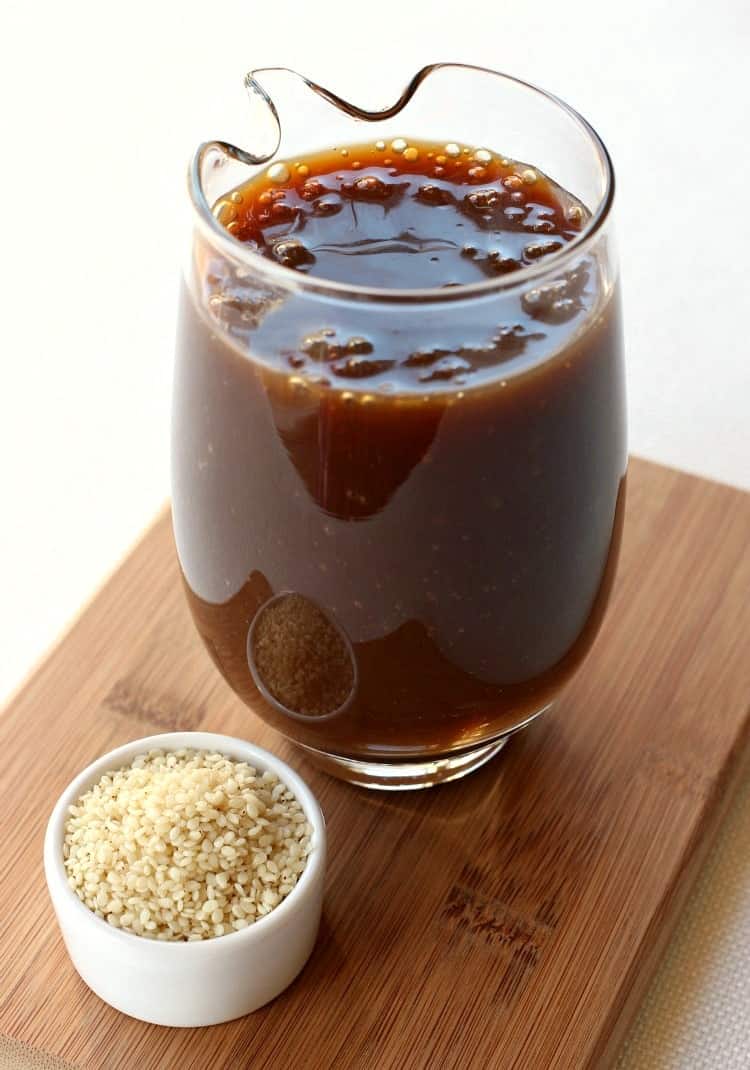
(511, 920)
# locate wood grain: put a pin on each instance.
(509, 921)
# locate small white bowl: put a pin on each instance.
(189, 983)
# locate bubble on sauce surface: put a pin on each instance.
(293, 253)
(445, 369)
(557, 301)
(327, 206)
(536, 250)
(348, 359)
(497, 264)
(541, 226)
(283, 213)
(371, 186)
(429, 193)
(508, 341)
(357, 344)
(514, 213)
(279, 172)
(381, 215)
(312, 188)
(224, 212)
(362, 367)
(484, 198)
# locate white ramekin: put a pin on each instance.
(192, 983)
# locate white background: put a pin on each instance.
(102, 105)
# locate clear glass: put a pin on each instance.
(447, 551)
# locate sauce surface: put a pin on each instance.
(411, 217)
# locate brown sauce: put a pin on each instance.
(441, 495)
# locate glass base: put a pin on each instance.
(405, 776)
(408, 776)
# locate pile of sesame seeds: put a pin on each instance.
(185, 845)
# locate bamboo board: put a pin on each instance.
(511, 920)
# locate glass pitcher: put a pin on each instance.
(398, 579)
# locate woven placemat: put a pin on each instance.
(696, 1015)
(14, 1055)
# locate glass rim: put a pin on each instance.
(279, 274)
